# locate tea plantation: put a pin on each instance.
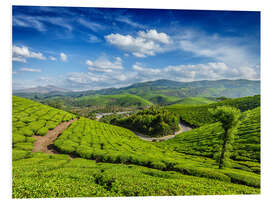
(199, 115)
(31, 118)
(98, 159)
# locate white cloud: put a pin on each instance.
(53, 58)
(154, 35)
(28, 21)
(63, 56)
(102, 64)
(19, 59)
(30, 70)
(90, 25)
(227, 50)
(20, 53)
(129, 22)
(146, 71)
(93, 39)
(39, 22)
(207, 71)
(145, 44)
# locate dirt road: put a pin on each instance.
(183, 128)
(45, 143)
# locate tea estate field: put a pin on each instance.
(91, 158)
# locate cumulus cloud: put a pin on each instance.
(207, 71)
(102, 64)
(145, 44)
(30, 70)
(63, 56)
(154, 35)
(20, 54)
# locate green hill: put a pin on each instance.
(124, 100)
(198, 115)
(106, 160)
(30, 118)
(204, 141)
(195, 100)
(160, 99)
(205, 88)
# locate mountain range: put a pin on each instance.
(205, 88)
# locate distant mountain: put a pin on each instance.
(42, 90)
(169, 88)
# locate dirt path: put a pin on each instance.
(45, 143)
(183, 128)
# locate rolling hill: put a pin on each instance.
(217, 88)
(198, 115)
(98, 159)
(124, 100)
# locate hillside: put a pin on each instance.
(194, 100)
(106, 160)
(198, 115)
(215, 88)
(124, 100)
(204, 141)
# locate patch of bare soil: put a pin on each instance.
(45, 143)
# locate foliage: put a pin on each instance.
(229, 119)
(31, 118)
(133, 167)
(205, 141)
(198, 115)
(153, 122)
(47, 176)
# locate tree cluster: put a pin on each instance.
(154, 122)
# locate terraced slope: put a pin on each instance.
(198, 115)
(204, 141)
(134, 167)
(31, 118)
(44, 176)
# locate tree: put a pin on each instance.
(229, 119)
(92, 115)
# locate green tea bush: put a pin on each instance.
(18, 154)
(42, 131)
(202, 172)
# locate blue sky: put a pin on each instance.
(94, 48)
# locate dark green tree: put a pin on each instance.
(229, 118)
(92, 115)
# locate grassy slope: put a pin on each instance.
(32, 118)
(194, 100)
(187, 174)
(198, 115)
(120, 100)
(159, 98)
(57, 176)
(204, 141)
